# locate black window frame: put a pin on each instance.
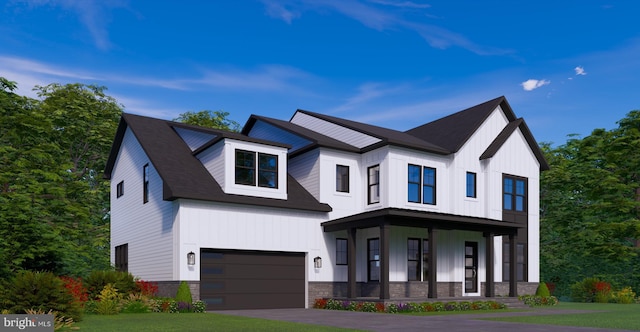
(120, 189)
(414, 259)
(342, 251)
(422, 261)
(373, 247)
(373, 185)
(511, 194)
(253, 169)
(431, 186)
(521, 261)
(145, 183)
(121, 261)
(413, 185)
(473, 185)
(342, 178)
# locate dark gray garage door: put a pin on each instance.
(232, 279)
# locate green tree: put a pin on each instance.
(53, 201)
(210, 119)
(590, 208)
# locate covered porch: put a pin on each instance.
(433, 222)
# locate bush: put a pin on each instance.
(40, 291)
(147, 288)
(97, 280)
(585, 290)
(137, 303)
(184, 293)
(542, 290)
(624, 296)
(108, 301)
(535, 300)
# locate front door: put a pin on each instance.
(471, 267)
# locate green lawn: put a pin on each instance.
(185, 322)
(603, 315)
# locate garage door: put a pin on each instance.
(231, 279)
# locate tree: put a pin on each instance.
(210, 119)
(53, 201)
(590, 208)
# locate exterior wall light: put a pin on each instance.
(191, 258)
(317, 262)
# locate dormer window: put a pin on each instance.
(266, 169)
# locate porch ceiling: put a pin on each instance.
(423, 219)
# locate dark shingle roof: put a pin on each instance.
(184, 176)
(386, 135)
(316, 139)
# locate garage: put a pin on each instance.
(238, 279)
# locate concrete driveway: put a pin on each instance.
(396, 322)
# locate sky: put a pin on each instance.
(567, 67)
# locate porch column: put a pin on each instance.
(513, 266)
(351, 263)
(432, 276)
(385, 229)
(490, 266)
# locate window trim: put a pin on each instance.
(419, 183)
(370, 260)
(474, 185)
(145, 183)
(256, 169)
(432, 186)
(342, 256)
(120, 189)
(514, 195)
(521, 261)
(371, 185)
(342, 179)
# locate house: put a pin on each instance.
(289, 211)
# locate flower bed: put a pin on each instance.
(535, 301)
(332, 304)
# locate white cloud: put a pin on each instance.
(580, 70)
(532, 84)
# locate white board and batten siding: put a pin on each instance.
(146, 228)
(245, 227)
(349, 136)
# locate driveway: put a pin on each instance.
(396, 322)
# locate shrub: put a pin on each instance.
(147, 288)
(585, 290)
(320, 303)
(535, 300)
(602, 292)
(624, 296)
(164, 305)
(137, 303)
(184, 293)
(108, 301)
(199, 306)
(41, 291)
(97, 280)
(542, 290)
(59, 321)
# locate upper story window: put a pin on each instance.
(471, 185)
(267, 169)
(421, 184)
(341, 251)
(145, 183)
(120, 189)
(514, 191)
(373, 184)
(342, 178)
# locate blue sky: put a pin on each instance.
(567, 67)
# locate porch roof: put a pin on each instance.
(423, 219)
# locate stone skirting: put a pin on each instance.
(405, 290)
(170, 289)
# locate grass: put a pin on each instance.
(189, 322)
(600, 315)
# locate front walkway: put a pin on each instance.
(399, 322)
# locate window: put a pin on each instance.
(514, 194)
(373, 259)
(414, 182)
(374, 184)
(122, 257)
(429, 186)
(341, 252)
(521, 267)
(424, 177)
(267, 169)
(342, 178)
(120, 189)
(145, 181)
(471, 185)
(417, 259)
